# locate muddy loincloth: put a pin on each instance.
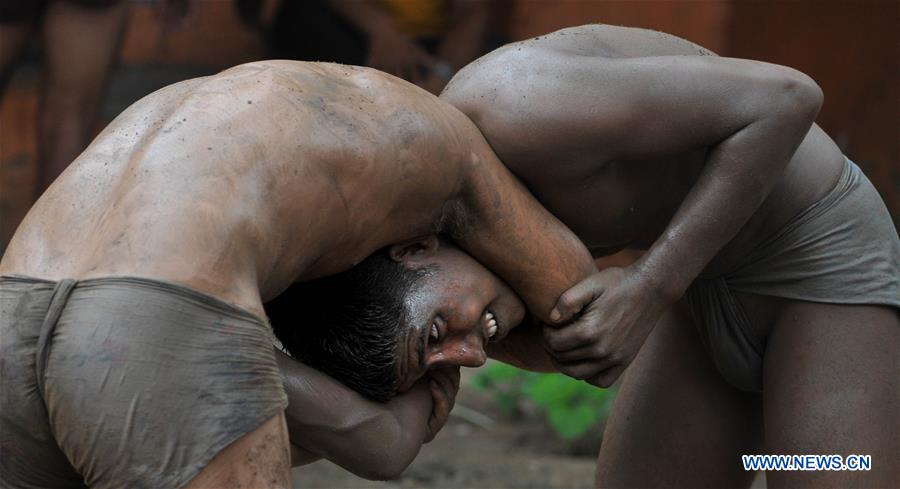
(125, 382)
(843, 249)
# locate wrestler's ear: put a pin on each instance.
(413, 248)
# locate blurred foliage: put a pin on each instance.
(571, 407)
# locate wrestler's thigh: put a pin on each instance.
(260, 459)
(832, 386)
(676, 422)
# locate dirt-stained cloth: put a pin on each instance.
(125, 382)
(843, 249)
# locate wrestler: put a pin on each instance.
(135, 353)
(762, 317)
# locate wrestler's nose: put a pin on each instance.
(469, 352)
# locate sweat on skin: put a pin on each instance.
(239, 184)
(730, 157)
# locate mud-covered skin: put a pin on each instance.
(637, 139)
(245, 180)
(272, 172)
(241, 183)
(567, 117)
(676, 423)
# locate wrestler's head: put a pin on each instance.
(406, 309)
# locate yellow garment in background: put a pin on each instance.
(419, 18)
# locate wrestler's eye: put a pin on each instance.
(435, 335)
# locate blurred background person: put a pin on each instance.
(80, 39)
(422, 41)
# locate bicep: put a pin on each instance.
(564, 106)
(656, 106)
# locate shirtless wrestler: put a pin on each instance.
(762, 317)
(135, 353)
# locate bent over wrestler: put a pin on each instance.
(135, 351)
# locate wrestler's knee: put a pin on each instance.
(259, 459)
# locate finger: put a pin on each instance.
(449, 381)
(607, 377)
(452, 389)
(442, 392)
(454, 377)
(572, 336)
(582, 370)
(439, 411)
(578, 355)
(572, 301)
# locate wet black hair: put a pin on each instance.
(349, 325)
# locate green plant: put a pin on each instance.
(571, 407)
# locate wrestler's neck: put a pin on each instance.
(358, 227)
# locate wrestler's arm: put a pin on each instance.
(751, 115)
(524, 348)
(497, 221)
(328, 420)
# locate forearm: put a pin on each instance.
(739, 174)
(505, 228)
(301, 456)
(523, 347)
(327, 419)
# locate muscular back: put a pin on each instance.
(613, 153)
(240, 183)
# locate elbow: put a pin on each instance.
(384, 450)
(799, 95)
(384, 468)
(385, 473)
(393, 460)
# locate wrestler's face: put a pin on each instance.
(451, 313)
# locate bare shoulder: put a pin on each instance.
(618, 42)
(553, 59)
(585, 96)
(526, 97)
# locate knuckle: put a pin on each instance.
(566, 370)
(575, 373)
(553, 341)
(584, 334)
(604, 349)
(567, 300)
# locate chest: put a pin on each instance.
(615, 205)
